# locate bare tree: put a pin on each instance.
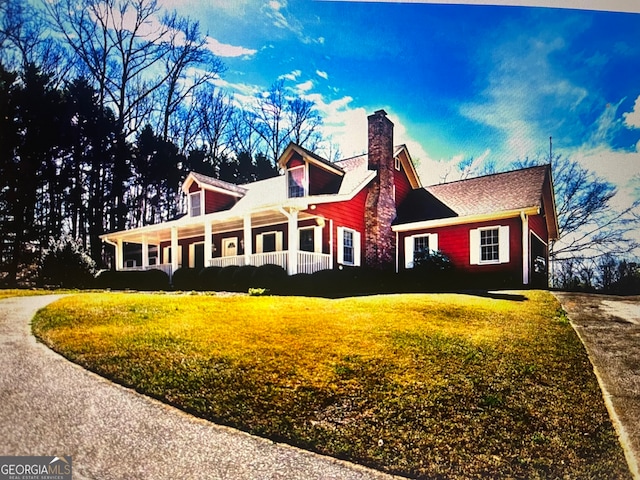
(215, 116)
(588, 225)
(271, 125)
(304, 123)
(132, 50)
(24, 40)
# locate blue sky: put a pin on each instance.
(459, 81)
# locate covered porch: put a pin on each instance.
(290, 237)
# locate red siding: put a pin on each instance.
(217, 202)
(322, 181)
(538, 225)
(403, 187)
(454, 242)
(295, 160)
(344, 214)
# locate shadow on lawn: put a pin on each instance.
(514, 297)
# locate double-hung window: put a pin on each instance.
(418, 246)
(348, 246)
(195, 204)
(297, 181)
(489, 245)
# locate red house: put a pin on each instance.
(370, 210)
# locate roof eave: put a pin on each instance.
(485, 217)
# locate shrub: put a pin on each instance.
(148, 280)
(298, 284)
(186, 279)
(225, 278)
(272, 277)
(209, 278)
(241, 278)
(66, 265)
(432, 271)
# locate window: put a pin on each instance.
(307, 240)
(195, 201)
(269, 242)
(297, 181)
(348, 246)
(489, 245)
(417, 244)
(396, 161)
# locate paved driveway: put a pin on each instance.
(609, 327)
(49, 406)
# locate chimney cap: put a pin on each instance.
(380, 112)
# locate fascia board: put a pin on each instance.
(446, 222)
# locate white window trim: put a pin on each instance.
(396, 161)
(409, 246)
(167, 257)
(192, 253)
(475, 249)
(356, 247)
(317, 238)
(199, 193)
(305, 185)
(260, 236)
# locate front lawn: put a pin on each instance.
(430, 386)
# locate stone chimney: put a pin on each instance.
(380, 207)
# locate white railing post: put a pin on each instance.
(174, 249)
(119, 255)
(207, 243)
(145, 253)
(248, 239)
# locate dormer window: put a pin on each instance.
(297, 181)
(195, 204)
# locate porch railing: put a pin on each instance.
(308, 262)
(165, 267)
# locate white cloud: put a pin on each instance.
(526, 98)
(293, 76)
(305, 87)
(325, 75)
(225, 50)
(632, 119)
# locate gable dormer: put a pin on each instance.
(308, 174)
(209, 195)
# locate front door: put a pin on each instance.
(230, 247)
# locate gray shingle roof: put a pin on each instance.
(494, 193)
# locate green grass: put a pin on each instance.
(17, 292)
(429, 386)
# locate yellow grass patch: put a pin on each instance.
(455, 386)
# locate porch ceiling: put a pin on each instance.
(194, 227)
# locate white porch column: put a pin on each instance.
(330, 244)
(248, 239)
(207, 243)
(293, 242)
(145, 252)
(525, 248)
(119, 255)
(174, 249)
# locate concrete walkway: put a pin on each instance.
(609, 328)
(49, 406)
